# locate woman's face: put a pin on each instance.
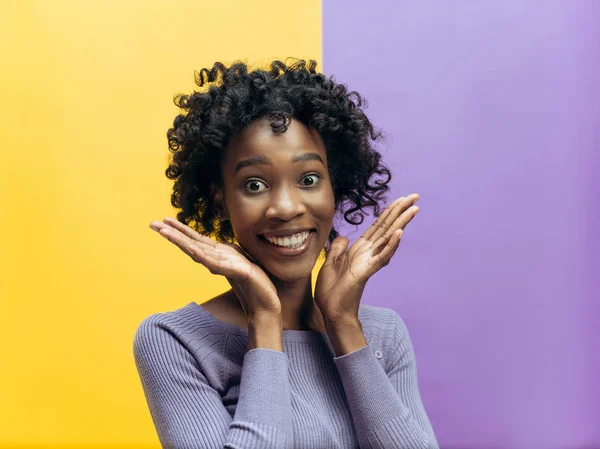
(278, 197)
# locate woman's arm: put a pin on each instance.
(189, 414)
(387, 410)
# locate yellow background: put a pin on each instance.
(86, 92)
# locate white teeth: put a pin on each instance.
(291, 241)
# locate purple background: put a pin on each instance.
(493, 113)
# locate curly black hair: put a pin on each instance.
(234, 98)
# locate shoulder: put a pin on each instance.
(184, 326)
(184, 342)
(381, 321)
(385, 330)
(172, 320)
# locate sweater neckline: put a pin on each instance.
(288, 334)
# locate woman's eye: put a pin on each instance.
(310, 180)
(255, 185)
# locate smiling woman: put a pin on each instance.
(276, 190)
(262, 162)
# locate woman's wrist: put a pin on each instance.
(346, 337)
(265, 332)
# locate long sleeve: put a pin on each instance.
(189, 414)
(387, 410)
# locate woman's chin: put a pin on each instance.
(293, 273)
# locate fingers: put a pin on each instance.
(388, 218)
(383, 258)
(336, 249)
(209, 256)
(399, 224)
(189, 232)
(226, 259)
(386, 227)
(177, 238)
(373, 228)
(205, 247)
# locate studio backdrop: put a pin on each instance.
(491, 111)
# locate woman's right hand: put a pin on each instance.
(253, 288)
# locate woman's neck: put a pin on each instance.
(298, 309)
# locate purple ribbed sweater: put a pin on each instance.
(205, 390)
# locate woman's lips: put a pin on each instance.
(282, 251)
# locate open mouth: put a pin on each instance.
(290, 244)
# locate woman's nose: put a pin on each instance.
(285, 205)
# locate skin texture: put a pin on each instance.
(281, 194)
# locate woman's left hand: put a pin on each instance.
(343, 277)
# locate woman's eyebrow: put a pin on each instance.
(258, 160)
(264, 160)
(307, 157)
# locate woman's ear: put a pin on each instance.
(218, 200)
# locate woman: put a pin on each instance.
(263, 161)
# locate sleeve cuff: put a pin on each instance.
(265, 395)
(371, 396)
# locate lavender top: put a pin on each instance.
(205, 390)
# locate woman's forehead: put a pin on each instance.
(259, 139)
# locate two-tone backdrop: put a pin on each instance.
(492, 111)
